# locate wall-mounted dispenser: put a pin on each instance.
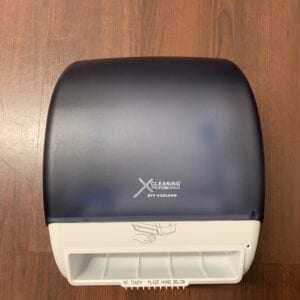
(153, 172)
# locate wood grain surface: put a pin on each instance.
(38, 39)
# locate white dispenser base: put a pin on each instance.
(154, 254)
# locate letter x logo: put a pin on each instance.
(144, 187)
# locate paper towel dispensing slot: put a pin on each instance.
(139, 267)
(153, 172)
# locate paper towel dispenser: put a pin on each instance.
(153, 172)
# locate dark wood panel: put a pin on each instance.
(39, 38)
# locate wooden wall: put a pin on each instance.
(38, 39)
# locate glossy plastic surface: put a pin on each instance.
(153, 139)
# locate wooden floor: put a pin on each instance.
(38, 39)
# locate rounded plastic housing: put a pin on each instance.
(153, 172)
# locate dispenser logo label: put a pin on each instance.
(148, 232)
(158, 188)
